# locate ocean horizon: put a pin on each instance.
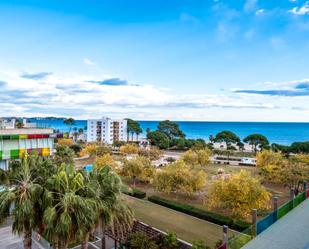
(277, 132)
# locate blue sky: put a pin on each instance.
(183, 60)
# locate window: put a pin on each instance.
(34, 143)
(28, 143)
(40, 143)
(22, 144)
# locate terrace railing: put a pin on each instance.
(239, 240)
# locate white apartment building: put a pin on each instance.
(106, 130)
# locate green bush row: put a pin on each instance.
(200, 213)
(135, 193)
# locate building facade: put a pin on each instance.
(106, 130)
(14, 143)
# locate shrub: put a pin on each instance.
(65, 141)
(76, 148)
(199, 245)
(135, 193)
(200, 213)
(140, 240)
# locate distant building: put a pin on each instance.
(14, 143)
(106, 130)
(12, 123)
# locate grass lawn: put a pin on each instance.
(212, 169)
(187, 227)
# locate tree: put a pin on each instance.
(76, 148)
(294, 173)
(93, 149)
(63, 154)
(300, 147)
(65, 141)
(24, 194)
(140, 240)
(256, 141)
(106, 160)
(69, 122)
(158, 139)
(80, 131)
(241, 146)
(138, 168)
(291, 171)
(280, 148)
(238, 194)
(152, 152)
(170, 241)
(170, 129)
(133, 127)
(211, 138)
(129, 149)
(199, 144)
(179, 177)
(62, 204)
(70, 215)
(19, 124)
(199, 157)
(113, 212)
(270, 164)
(227, 137)
(180, 143)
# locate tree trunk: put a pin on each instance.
(64, 244)
(85, 241)
(103, 242)
(27, 239)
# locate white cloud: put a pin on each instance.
(89, 62)
(259, 12)
(82, 96)
(303, 10)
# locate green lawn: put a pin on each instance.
(187, 227)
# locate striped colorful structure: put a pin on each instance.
(14, 146)
(31, 136)
(19, 153)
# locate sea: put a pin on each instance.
(276, 132)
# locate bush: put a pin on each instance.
(76, 148)
(135, 193)
(200, 213)
(140, 240)
(240, 225)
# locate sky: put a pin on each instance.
(204, 60)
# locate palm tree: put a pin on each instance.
(63, 154)
(112, 210)
(138, 131)
(70, 122)
(24, 195)
(71, 214)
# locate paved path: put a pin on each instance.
(290, 232)
(10, 241)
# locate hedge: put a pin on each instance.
(200, 213)
(135, 193)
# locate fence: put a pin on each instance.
(239, 240)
